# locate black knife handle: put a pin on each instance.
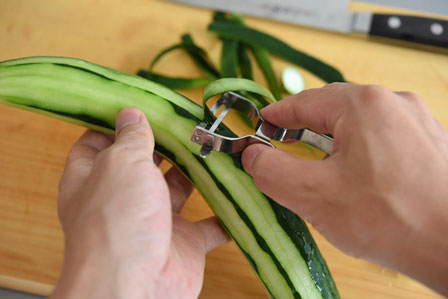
(415, 29)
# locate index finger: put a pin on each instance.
(79, 164)
(84, 151)
(180, 188)
(317, 109)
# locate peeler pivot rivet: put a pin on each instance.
(196, 138)
(198, 132)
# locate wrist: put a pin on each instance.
(415, 245)
(423, 256)
(96, 275)
(95, 268)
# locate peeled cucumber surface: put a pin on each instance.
(275, 241)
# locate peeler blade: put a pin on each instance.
(264, 131)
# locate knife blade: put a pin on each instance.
(334, 15)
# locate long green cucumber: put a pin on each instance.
(276, 242)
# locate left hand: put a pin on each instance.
(124, 237)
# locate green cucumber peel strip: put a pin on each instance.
(261, 56)
(264, 62)
(174, 82)
(259, 100)
(275, 46)
(200, 57)
(235, 84)
(163, 53)
(229, 58)
(248, 88)
(244, 63)
(275, 240)
(196, 53)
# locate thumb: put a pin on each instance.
(292, 182)
(133, 131)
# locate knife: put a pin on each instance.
(334, 15)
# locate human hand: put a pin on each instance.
(382, 194)
(124, 237)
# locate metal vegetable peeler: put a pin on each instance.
(264, 131)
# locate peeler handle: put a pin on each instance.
(320, 141)
(269, 131)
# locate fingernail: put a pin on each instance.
(249, 156)
(127, 116)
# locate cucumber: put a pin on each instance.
(275, 241)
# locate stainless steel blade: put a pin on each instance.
(324, 14)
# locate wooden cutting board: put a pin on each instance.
(126, 35)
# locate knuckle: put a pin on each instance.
(373, 92)
(335, 85)
(136, 136)
(136, 131)
(65, 192)
(119, 155)
(304, 93)
(79, 156)
(374, 96)
(310, 186)
(63, 183)
(72, 157)
(411, 97)
(111, 155)
(259, 166)
(265, 183)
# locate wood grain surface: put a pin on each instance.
(126, 35)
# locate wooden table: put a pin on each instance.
(126, 35)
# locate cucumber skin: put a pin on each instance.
(294, 227)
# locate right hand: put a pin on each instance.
(382, 194)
